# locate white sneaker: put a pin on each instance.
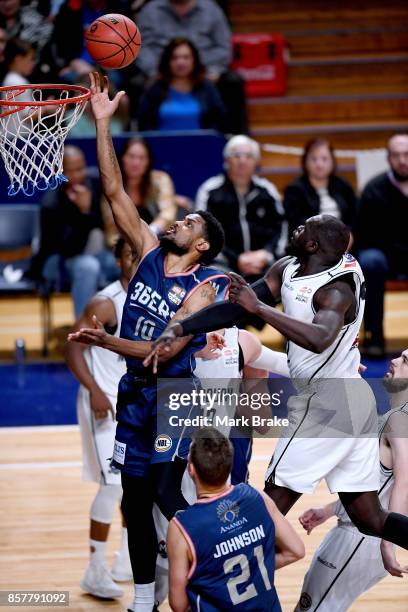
(98, 581)
(121, 568)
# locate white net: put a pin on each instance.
(32, 137)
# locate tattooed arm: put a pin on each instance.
(202, 297)
(127, 219)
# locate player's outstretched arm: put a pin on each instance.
(125, 214)
(217, 316)
(104, 309)
(290, 547)
(316, 516)
(179, 567)
(331, 303)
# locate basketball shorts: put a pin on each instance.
(97, 438)
(242, 456)
(345, 565)
(143, 433)
(331, 436)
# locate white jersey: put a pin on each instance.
(227, 364)
(386, 474)
(342, 358)
(107, 368)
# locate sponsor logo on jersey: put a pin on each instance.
(326, 563)
(350, 262)
(176, 294)
(163, 549)
(119, 452)
(227, 511)
(305, 601)
(304, 294)
(163, 443)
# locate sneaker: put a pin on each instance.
(97, 581)
(121, 568)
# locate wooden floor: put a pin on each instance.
(44, 521)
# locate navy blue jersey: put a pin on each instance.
(232, 541)
(154, 297)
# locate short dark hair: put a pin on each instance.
(215, 235)
(315, 143)
(334, 235)
(119, 246)
(164, 65)
(14, 47)
(211, 453)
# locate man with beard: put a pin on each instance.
(381, 238)
(170, 282)
(332, 419)
(347, 564)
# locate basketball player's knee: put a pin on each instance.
(103, 506)
(372, 525)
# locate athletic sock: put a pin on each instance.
(144, 597)
(396, 529)
(99, 552)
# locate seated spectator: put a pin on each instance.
(152, 191)
(205, 25)
(319, 189)
(249, 209)
(381, 238)
(19, 61)
(181, 99)
(72, 240)
(23, 20)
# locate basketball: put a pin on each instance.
(113, 41)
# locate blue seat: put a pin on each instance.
(19, 242)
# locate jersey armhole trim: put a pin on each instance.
(190, 545)
(204, 282)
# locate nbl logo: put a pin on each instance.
(163, 443)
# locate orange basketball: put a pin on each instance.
(113, 41)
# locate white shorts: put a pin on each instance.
(329, 438)
(345, 565)
(97, 436)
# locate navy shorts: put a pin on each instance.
(143, 434)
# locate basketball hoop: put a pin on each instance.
(32, 133)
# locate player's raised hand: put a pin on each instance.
(163, 344)
(241, 293)
(102, 106)
(312, 518)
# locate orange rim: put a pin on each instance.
(84, 92)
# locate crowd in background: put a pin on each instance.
(181, 81)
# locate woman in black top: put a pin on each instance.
(319, 190)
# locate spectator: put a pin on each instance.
(318, 190)
(3, 42)
(381, 238)
(19, 61)
(204, 23)
(72, 241)
(152, 191)
(181, 99)
(249, 209)
(24, 21)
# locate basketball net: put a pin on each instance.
(32, 134)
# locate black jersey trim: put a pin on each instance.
(330, 356)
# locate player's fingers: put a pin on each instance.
(236, 278)
(98, 324)
(91, 81)
(155, 362)
(148, 359)
(105, 84)
(119, 96)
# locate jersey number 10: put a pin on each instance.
(144, 328)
